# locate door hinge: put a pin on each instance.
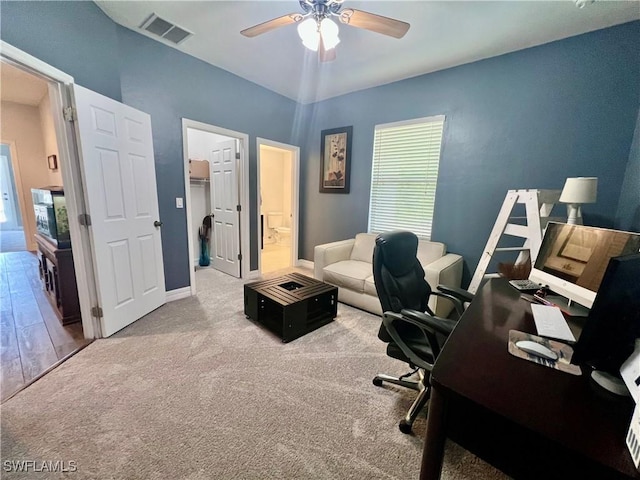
(69, 114)
(96, 312)
(239, 256)
(237, 155)
(239, 208)
(84, 219)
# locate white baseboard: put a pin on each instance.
(253, 274)
(178, 293)
(304, 263)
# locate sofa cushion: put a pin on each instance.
(430, 251)
(348, 273)
(370, 286)
(363, 247)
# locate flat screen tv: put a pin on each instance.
(609, 334)
(573, 258)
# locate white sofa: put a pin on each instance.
(347, 264)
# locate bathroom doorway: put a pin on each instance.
(278, 202)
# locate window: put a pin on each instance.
(404, 176)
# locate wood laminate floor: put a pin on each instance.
(12, 241)
(32, 337)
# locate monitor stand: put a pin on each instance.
(572, 309)
(611, 383)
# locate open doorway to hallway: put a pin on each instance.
(278, 199)
(39, 327)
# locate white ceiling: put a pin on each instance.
(443, 34)
(19, 86)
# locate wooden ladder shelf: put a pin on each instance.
(538, 205)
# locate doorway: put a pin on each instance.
(12, 237)
(111, 215)
(278, 205)
(37, 331)
(216, 174)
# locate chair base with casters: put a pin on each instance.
(422, 386)
(419, 349)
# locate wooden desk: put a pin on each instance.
(527, 420)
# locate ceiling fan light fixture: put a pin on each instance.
(329, 31)
(308, 32)
(320, 34)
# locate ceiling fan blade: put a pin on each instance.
(271, 25)
(326, 55)
(373, 22)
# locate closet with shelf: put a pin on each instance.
(200, 198)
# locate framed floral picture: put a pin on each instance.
(335, 160)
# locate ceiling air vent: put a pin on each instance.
(167, 30)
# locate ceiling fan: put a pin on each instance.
(319, 33)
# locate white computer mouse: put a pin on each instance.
(534, 348)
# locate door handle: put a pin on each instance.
(157, 224)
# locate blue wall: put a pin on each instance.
(75, 37)
(79, 39)
(629, 205)
(169, 86)
(528, 119)
(523, 120)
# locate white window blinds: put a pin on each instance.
(406, 156)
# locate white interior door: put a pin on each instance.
(118, 166)
(225, 246)
(9, 216)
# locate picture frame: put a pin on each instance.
(53, 162)
(335, 160)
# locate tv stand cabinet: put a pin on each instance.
(59, 279)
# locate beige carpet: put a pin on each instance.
(196, 391)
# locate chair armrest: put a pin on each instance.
(429, 325)
(329, 253)
(460, 293)
(436, 324)
(388, 319)
(457, 303)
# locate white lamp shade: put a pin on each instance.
(329, 31)
(308, 31)
(580, 190)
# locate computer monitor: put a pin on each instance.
(609, 333)
(573, 258)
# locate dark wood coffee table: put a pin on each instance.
(292, 305)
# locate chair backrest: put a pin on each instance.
(398, 275)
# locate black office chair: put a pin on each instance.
(411, 330)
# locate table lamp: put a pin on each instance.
(577, 191)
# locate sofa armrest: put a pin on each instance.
(446, 270)
(329, 253)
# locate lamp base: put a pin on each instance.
(574, 214)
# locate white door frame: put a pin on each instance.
(59, 83)
(295, 197)
(243, 181)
